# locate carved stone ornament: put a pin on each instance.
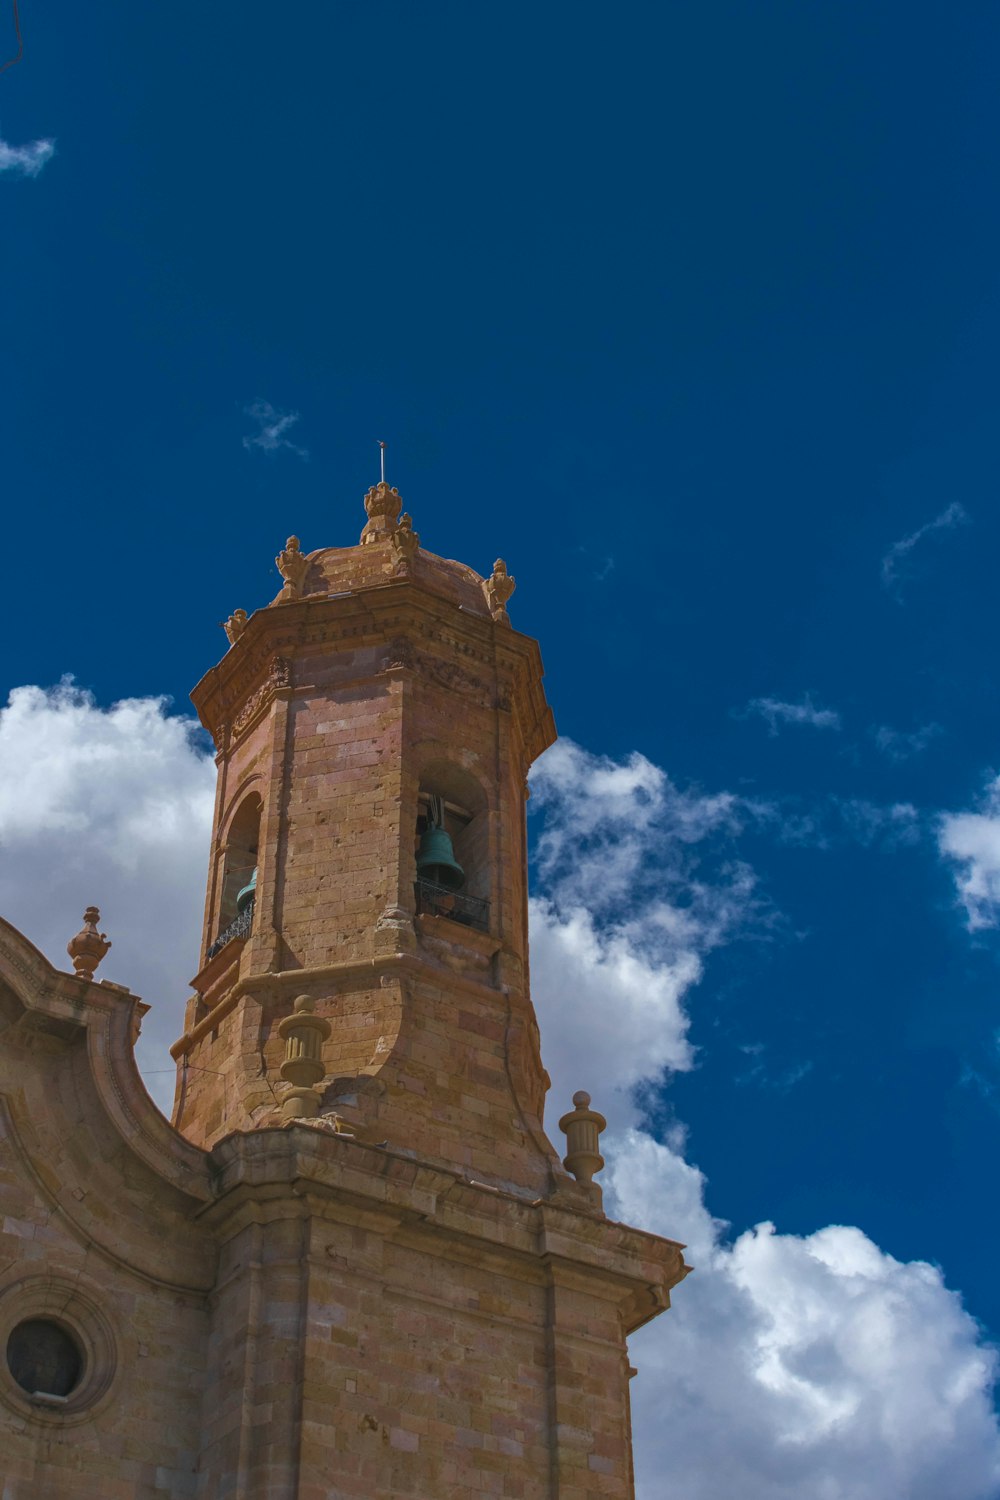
(279, 676)
(293, 567)
(383, 505)
(498, 589)
(235, 625)
(400, 654)
(450, 675)
(89, 946)
(405, 543)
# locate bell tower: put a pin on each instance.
(361, 1056)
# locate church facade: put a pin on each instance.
(353, 1266)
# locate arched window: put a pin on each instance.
(452, 846)
(239, 876)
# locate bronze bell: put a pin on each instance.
(436, 859)
(247, 894)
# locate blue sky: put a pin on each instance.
(689, 311)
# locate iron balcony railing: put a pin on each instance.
(438, 901)
(238, 927)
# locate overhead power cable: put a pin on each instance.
(20, 42)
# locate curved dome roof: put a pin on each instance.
(389, 549)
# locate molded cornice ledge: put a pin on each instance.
(301, 1171)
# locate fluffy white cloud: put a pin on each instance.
(788, 1366)
(110, 807)
(777, 713)
(611, 963)
(800, 1366)
(25, 161)
(792, 1366)
(970, 841)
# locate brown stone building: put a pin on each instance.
(354, 1265)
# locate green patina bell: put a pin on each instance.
(247, 894)
(436, 859)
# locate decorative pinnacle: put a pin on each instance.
(383, 505)
(303, 1034)
(405, 543)
(235, 625)
(293, 567)
(583, 1127)
(498, 589)
(89, 946)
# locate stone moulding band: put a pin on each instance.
(347, 976)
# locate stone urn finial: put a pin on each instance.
(303, 1034)
(293, 566)
(498, 589)
(405, 543)
(382, 506)
(583, 1127)
(89, 946)
(235, 625)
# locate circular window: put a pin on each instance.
(58, 1350)
(44, 1358)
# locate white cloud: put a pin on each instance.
(789, 1367)
(272, 427)
(896, 562)
(897, 744)
(776, 713)
(794, 1366)
(26, 161)
(970, 841)
(111, 807)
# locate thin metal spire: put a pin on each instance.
(382, 459)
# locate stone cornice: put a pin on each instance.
(494, 663)
(342, 978)
(261, 1173)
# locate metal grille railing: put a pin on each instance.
(473, 911)
(238, 927)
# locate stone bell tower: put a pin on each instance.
(448, 1307)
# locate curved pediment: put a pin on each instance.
(78, 1119)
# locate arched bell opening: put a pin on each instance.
(452, 846)
(239, 875)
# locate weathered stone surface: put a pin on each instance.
(356, 1268)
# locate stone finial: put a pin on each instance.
(582, 1127)
(498, 589)
(405, 543)
(382, 504)
(89, 946)
(235, 625)
(303, 1034)
(293, 566)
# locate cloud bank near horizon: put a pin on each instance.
(789, 1365)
